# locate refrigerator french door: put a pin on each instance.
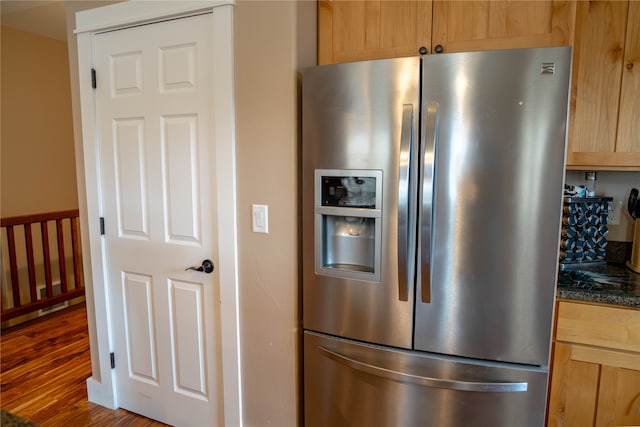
(432, 193)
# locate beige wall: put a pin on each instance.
(38, 169)
(272, 39)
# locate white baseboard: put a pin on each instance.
(100, 394)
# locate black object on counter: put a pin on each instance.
(584, 231)
(633, 206)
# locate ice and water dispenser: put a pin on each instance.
(348, 215)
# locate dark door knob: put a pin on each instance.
(207, 266)
(439, 48)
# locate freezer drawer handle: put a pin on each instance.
(493, 387)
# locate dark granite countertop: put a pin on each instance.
(614, 283)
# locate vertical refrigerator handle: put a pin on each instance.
(427, 178)
(405, 261)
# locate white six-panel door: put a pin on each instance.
(155, 124)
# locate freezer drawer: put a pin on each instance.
(353, 384)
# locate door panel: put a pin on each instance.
(177, 68)
(180, 177)
(480, 25)
(155, 124)
(605, 104)
(594, 386)
(354, 384)
(131, 183)
(125, 70)
(353, 117)
(361, 30)
(499, 148)
(628, 126)
(140, 330)
(189, 363)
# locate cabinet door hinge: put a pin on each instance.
(94, 83)
(112, 356)
(102, 226)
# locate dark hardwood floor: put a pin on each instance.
(44, 365)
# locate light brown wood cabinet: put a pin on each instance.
(373, 29)
(484, 25)
(361, 30)
(595, 375)
(605, 95)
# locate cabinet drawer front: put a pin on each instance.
(611, 327)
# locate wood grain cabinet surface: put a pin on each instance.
(605, 100)
(604, 128)
(374, 29)
(595, 375)
(484, 25)
(361, 30)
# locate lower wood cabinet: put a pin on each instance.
(595, 377)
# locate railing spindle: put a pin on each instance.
(61, 258)
(31, 265)
(77, 271)
(48, 281)
(13, 264)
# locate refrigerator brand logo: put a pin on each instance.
(548, 68)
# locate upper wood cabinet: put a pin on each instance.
(605, 95)
(360, 30)
(489, 24)
(373, 29)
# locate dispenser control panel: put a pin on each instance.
(349, 191)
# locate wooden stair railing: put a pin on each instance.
(68, 291)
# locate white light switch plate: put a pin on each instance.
(260, 216)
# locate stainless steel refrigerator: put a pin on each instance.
(432, 192)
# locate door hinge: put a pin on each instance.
(102, 226)
(112, 356)
(94, 83)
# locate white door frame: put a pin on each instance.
(101, 386)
